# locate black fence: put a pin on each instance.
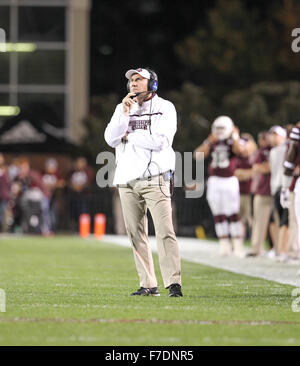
(189, 213)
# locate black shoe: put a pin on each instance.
(146, 292)
(175, 290)
(252, 254)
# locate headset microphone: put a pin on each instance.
(143, 92)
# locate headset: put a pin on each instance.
(152, 82)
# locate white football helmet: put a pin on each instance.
(222, 127)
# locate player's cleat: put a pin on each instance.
(143, 291)
(271, 254)
(224, 247)
(281, 258)
(238, 248)
(175, 290)
(252, 254)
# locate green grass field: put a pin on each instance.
(69, 291)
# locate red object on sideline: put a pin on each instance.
(99, 225)
(84, 225)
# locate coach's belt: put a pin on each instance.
(166, 175)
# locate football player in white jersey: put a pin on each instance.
(222, 147)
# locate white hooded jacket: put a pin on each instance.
(151, 128)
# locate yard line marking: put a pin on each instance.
(149, 321)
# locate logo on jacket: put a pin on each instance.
(139, 124)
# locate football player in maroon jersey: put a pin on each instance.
(291, 181)
(223, 146)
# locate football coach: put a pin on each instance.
(141, 130)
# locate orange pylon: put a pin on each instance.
(99, 225)
(84, 225)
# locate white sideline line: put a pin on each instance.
(206, 252)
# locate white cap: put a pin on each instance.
(143, 72)
(278, 130)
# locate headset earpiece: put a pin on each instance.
(153, 81)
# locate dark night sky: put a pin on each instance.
(135, 33)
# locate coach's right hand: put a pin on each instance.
(128, 102)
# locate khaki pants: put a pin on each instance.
(246, 212)
(135, 198)
(293, 227)
(118, 214)
(246, 209)
(262, 208)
